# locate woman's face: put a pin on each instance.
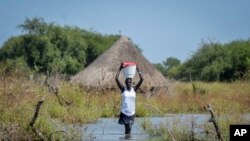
(128, 83)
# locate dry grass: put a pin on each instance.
(185, 99)
(171, 130)
(19, 96)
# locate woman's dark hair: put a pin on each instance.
(128, 79)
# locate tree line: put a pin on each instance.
(48, 47)
(212, 61)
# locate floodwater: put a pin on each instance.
(108, 129)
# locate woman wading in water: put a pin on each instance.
(128, 100)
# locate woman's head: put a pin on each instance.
(128, 82)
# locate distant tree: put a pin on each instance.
(171, 62)
(52, 48)
(160, 68)
(97, 44)
(12, 48)
(170, 68)
(239, 53)
(214, 61)
(174, 72)
(34, 26)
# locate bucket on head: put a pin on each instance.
(129, 69)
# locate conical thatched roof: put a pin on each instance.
(101, 72)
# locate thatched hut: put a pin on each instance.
(101, 73)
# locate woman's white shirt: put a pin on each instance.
(128, 102)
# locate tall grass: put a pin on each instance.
(19, 95)
(205, 131)
(230, 101)
(184, 99)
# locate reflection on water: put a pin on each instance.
(108, 129)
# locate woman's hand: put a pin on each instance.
(137, 68)
(141, 79)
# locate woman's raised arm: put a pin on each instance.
(119, 84)
(137, 86)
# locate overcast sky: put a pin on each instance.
(161, 28)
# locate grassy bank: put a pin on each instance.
(19, 96)
(226, 98)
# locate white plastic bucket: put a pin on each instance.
(129, 69)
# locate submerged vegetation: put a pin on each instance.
(189, 130)
(19, 95)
